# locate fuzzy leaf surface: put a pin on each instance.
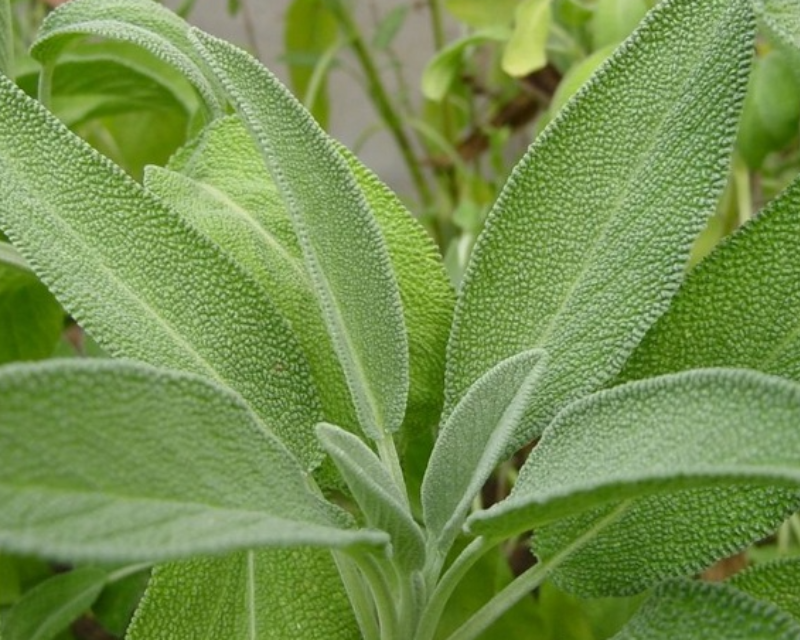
(139, 280)
(643, 450)
(271, 594)
(588, 239)
(473, 441)
(702, 611)
(176, 466)
(344, 252)
(774, 582)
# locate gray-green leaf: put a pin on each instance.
(587, 242)
(344, 252)
(117, 461)
(644, 449)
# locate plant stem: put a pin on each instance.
(744, 194)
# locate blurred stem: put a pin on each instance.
(380, 98)
(744, 193)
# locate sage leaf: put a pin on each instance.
(644, 449)
(474, 440)
(587, 242)
(774, 582)
(140, 22)
(344, 253)
(52, 605)
(698, 611)
(270, 594)
(179, 466)
(139, 280)
(6, 39)
(381, 500)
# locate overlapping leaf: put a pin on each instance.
(587, 242)
(178, 467)
(618, 451)
(138, 279)
(774, 582)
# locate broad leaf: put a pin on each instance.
(593, 485)
(774, 582)
(587, 242)
(474, 440)
(270, 595)
(138, 279)
(179, 467)
(526, 50)
(699, 611)
(141, 22)
(51, 606)
(344, 253)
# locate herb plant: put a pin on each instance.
(285, 344)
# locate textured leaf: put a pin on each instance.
(174, 466)
(587, 242)
(774, 582)
(631, 444)
(141, 22)
(382, 501)
(782, 17)
(51, 606)
(342, 246)
(526, 50)
(140, 281)
(272, 594)
(474, 440)
(6, 39)
(702, 611)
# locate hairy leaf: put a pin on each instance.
(631, 444)
(51, 606)
(587, 242)
(138, 279)
(271, 594)
(699, 611)
(175, 466)
(473, 441)
(382, 501)
(342, 246)
(774, 582)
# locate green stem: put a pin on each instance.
(46, 83)
(358, 595)
(380, 98)
(124, 572)
(744, 194)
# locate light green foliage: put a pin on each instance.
(614, 453)
(526, 50)
(774, 582)
(49, 608)
(202, 473)
(697, 611)
(479, 13)
(6, 39)
(344, 253)
(587, 242)
(146, 286)
(271, 594)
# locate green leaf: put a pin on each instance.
(6, 39)
(443, 68)
(782, 18)
(774, 582)
(700, 611)
(138, 279)
(614, 20)
(50, 607)
(175, 466)
(642, 450)
(144, 23)
(481, 14)
(474, 441)
(382, 501)
(30, 318)
(271, 594)
(587, 242)
(344, 253)
(526, 51)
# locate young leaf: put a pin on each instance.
(587, 242)
(51, 606)
(141, 22)
(650, 445)
(179, 466)
(384, 505)
(699, 611)
(526, 50)
(474, 440)
(271, 594)
(138, 279)
(344, 253)
(774, 582)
